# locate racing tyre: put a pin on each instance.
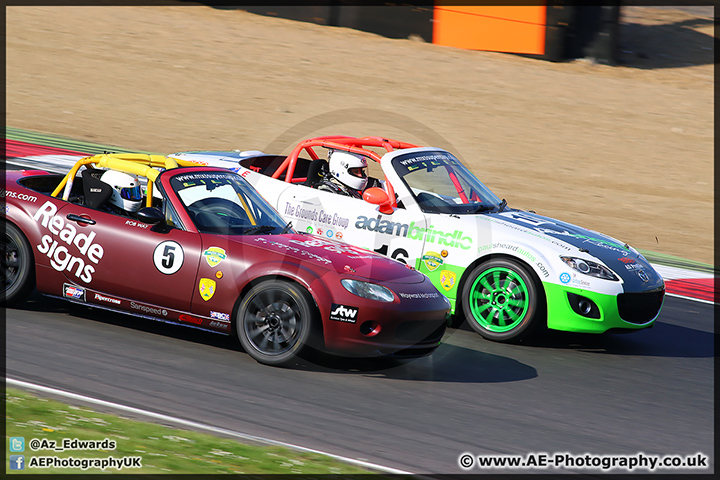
(274, 321)
(501, 301)
(18, 265)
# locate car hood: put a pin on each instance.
(636, 272)
(344, 259)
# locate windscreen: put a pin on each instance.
(224, 203)
(441, 184)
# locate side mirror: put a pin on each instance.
(150, 215)
(378, 196)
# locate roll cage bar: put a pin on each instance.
(347, 144)
(133, 163)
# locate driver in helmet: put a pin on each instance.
(348, 174)
(126, 198)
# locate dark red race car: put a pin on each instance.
(199, 247)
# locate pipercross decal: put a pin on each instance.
(103, 298)
(343, 313)
(413, 232)
(59, 255)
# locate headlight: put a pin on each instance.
(368, 290)
(591, 268)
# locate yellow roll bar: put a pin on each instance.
(139, 164)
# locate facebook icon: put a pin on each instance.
(17, 462)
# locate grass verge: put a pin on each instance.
(160, 449)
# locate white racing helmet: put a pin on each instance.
(126, 192)
(349, 168)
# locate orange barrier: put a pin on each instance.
(511, 29)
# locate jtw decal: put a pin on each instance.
(59, 255)
(343, 313)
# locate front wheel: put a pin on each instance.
(18, 265)
(273, 321)
(501, 301)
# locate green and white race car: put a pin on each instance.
(507, 271)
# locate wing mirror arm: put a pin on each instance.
(378, 196)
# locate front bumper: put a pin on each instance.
(626, 311)
(405, 328)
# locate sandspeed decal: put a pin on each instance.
(73, 292)
(214, 255)
(60, 257)
(168, 257)
(343, 313)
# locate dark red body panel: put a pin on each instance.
(195, 279)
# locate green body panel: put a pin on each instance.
(445, 277)
(562, 317)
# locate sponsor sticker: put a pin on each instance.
(207, 288)
(565, 277)
(103, 298)
(343, 313)
(220, 316)
(190, 319)
(71, 291)
(149, 310)
(81, 251)
(214, 255)
(432, 260)
(447, 279)
(223, 326)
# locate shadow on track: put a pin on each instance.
(448, 364)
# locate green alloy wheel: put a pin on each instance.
(501, 301)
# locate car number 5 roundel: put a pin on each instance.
(168, 257)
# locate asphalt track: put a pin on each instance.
(649, 391)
